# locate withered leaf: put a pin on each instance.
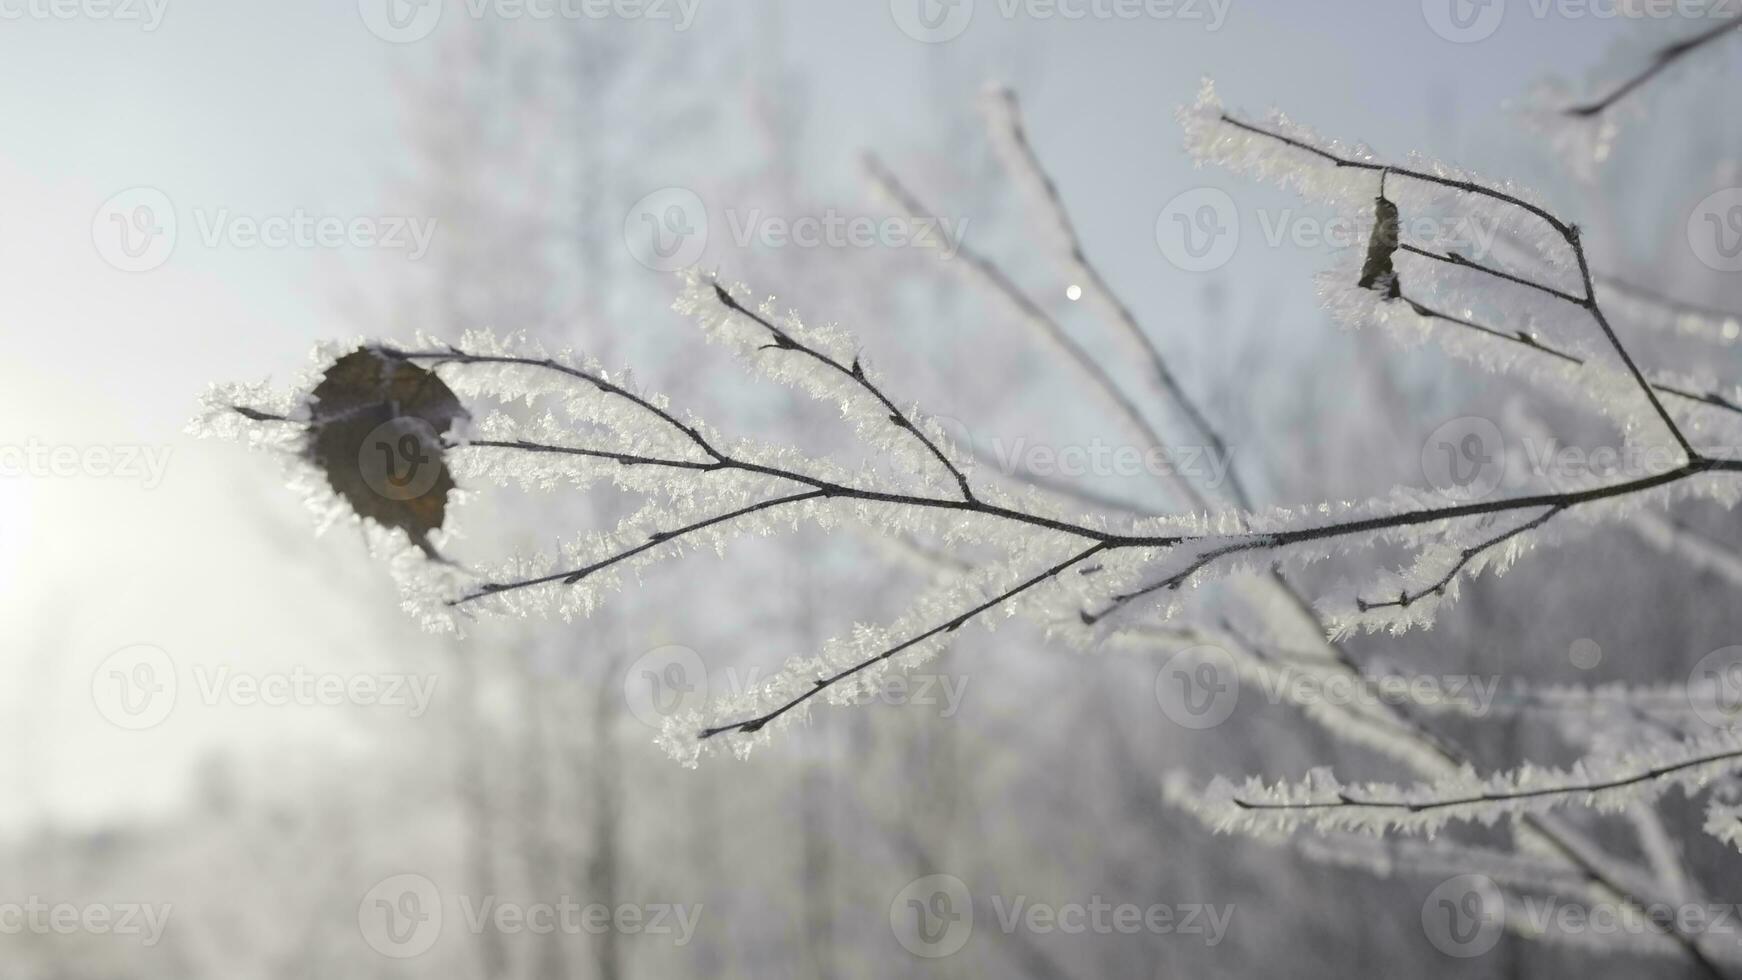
(376, 423)
(1378, 273)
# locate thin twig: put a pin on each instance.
(1469, 554)
(750, 725)
(1660, 61)
(1568, 232)
(785, 341)
(1648, 775)
(1000, 283)
(1161, 375)
(1710, 399)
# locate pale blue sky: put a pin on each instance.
(262, 109)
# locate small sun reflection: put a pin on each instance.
(1073, 292)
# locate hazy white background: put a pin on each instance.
(266, 108)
